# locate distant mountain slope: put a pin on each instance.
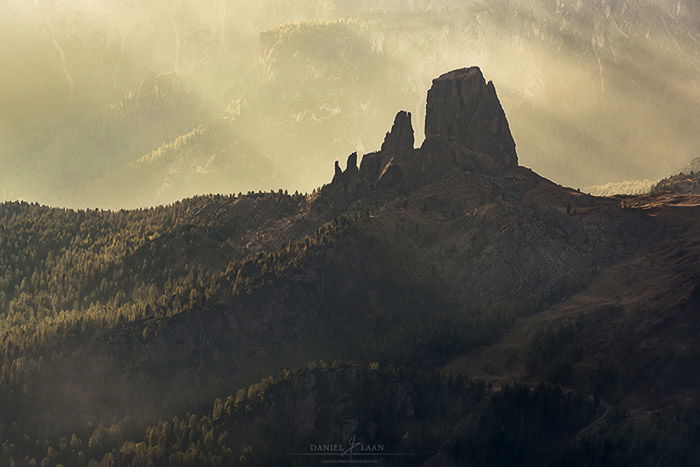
(686, 181)
(626, 187)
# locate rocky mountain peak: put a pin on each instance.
(463, 111)
(400, 138)
(465, 127)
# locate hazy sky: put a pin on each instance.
(121, 103)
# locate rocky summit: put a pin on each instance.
(465, 129)
(464, 116)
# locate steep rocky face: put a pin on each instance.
(466, 130)
(466, 124)
(379, 170)
(400, 138)
(346, 182)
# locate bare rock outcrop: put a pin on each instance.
(400, 139)
(465, 124)
(465, 128)
(347, 180)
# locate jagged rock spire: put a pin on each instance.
(338, 171)
(400, 138)
(463, 109)
(465, 130)
(351, 165)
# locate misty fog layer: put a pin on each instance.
(122, 103)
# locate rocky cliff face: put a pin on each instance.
(465, 127)
(465, 116)
(400, 139)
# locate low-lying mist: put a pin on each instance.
(122, 103)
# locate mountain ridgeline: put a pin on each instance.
(441, 302)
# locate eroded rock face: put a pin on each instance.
(466, 130)
(400, 139)
(466, 124)
(348, 179)
(379, 170)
